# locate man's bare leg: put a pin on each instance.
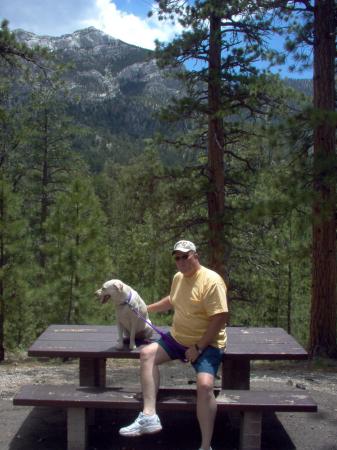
(147, 421)
(206, 407)
(151, 356)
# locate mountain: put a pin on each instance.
(114, 85)
(116, 89)
(302, 85)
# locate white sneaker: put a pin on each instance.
(142, 425)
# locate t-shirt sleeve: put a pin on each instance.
(215, 299)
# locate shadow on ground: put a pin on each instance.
(45, 429)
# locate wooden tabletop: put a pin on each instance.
(262, 343)
(91, 341)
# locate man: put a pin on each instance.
(198, 297)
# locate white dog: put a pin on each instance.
(128, 323)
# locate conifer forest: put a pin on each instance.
(238, 159)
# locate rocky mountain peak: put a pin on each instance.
(108, 81)
(85, 39)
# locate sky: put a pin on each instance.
(123, 19)
(126, 20)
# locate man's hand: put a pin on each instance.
(192, 353)
(161, 306)
(216, 323)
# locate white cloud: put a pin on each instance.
(129, 27)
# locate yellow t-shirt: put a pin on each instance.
(194, 300)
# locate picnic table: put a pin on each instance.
(93, 344)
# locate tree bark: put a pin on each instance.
(290, 282)
(44, 190)
(215, 195)
(2, 264)
(323, 304)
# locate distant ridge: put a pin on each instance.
(115, 86)
(90, 36)
(116, 89)
(302, 85)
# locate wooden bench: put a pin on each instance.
(78, 400)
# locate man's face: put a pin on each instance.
(187, 263)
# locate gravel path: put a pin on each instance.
(23, 428)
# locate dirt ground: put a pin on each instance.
(25, 428)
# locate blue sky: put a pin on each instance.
(123, 19)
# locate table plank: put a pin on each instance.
(83, 341)
(98, 342)
(262, 343)
(180, 398)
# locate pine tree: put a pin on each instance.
(79, 259)
(14, 288)
(223, 40)
(324, 275)
(313, 25)
(49, 159)
(140, 209)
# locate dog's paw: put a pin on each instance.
(132, 346)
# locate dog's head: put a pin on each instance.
(112, 289)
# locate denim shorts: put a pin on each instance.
(209, 360)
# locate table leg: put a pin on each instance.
(235, 374)
(77, 429)
(93, 372)
(250, 432)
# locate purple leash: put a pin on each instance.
(177, 348)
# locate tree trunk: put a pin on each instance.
(215, 196)
(2, 264)
(2, 323)
(71, 298)
(44, 191)
(323, 304)
(290, 282)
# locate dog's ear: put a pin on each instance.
(119, 286)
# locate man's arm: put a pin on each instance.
(161, 306)
(217, 322)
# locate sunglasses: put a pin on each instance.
(178, 258)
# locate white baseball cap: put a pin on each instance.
(184, 246)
